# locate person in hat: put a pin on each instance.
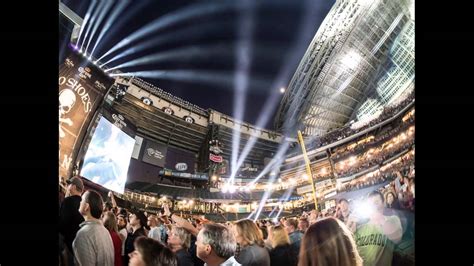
(69, 216)
(137, 221)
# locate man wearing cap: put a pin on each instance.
(137, 222)
(69, 216)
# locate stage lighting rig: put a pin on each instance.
(120, 91)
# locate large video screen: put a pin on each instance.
(108, 156)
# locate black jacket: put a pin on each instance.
(69, 219)
(283, 255)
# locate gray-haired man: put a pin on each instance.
(215, 245)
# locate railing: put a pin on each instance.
(168, 96)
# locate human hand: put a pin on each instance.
(166, 209)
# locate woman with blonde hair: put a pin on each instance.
(250, 239)
(110, 222)
(179, 241)
(281, 252)
(328, 242)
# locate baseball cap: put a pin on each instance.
(77, 182)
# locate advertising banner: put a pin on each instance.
(155, 153)
(82, 87)
(215, 158)
(181, 161)
(119, 121)
(198, 176)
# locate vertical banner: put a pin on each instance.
(137, 148)
(82, 87)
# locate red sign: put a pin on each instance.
(215, 158)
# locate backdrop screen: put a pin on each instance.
(108, 156)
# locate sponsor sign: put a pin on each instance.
(167, 172)
(179, 160)
(181, 167)
(215, 158)
(154, 153)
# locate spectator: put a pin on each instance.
(281, 252)
(137, 222)
(303, 225)
(291, 226)
(392, 201)
(122, 227)
(376, 238)
(149, 252)
(110, 223)
(343, 213)
(93, 244)
(216, 245)
(250, 240)
(69, 215)
(154, 229)
(179, 241)
(329, 242)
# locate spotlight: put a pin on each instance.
(231, 189)
(363, 209)
(120, 92)
(225, 188)
(282, 90)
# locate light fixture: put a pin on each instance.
(147, 101)
(282, 90)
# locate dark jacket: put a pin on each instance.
(69, 219)
(129, 247)
(253, 255)
(283, 255)
(184, 258)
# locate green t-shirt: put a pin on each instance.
(373, 245)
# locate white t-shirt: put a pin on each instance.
(124, 234)
(155, 234)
